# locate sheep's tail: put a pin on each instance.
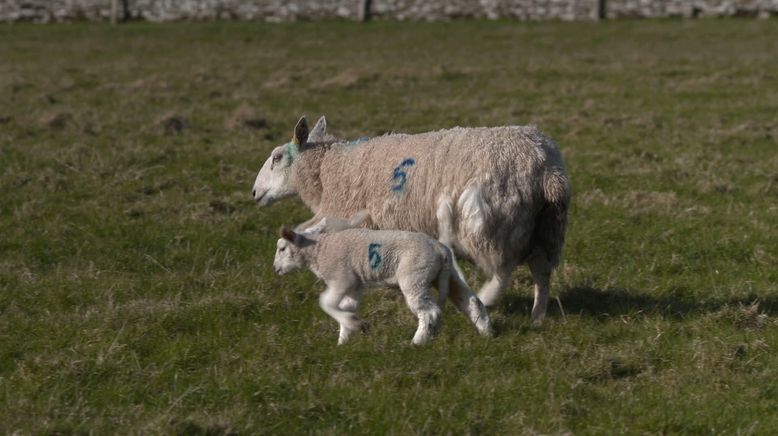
(551, 222)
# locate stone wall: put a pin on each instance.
(428, 10)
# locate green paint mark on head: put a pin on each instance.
(292, 150)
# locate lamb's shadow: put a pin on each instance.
(606, 303)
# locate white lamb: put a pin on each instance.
(351, 260)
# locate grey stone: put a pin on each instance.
(44, 11)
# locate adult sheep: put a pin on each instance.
(498, 196)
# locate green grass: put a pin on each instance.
(136, 287)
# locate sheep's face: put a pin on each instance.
(272, 182)
(287, 257)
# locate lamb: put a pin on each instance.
(498, 196)
(351, 260)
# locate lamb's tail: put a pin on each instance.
(551, 222)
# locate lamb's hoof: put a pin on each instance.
(364, 328)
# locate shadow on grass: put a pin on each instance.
(605, 303)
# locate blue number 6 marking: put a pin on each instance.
(399, 176)
(374, 258)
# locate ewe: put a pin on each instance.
(498, 196)
(351, 260)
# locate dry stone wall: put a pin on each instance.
(420, 10)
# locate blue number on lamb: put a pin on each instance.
(374, 258)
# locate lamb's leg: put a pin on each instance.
(541, 275)
(424, 307)
(490, 292)
(349, 303)
(330, 301)
(467, 303)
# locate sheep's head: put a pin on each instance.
(274, 180)
(289, 254)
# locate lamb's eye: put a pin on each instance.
(282, 249)
(277, 158)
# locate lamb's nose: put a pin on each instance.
(254, 193)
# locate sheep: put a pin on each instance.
(498, 196)
(351, 260)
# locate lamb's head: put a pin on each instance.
(289, 251)
(274, 180)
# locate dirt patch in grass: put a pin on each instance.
(245, 116)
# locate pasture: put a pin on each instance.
(136, 285)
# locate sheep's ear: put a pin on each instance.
(288, 234)
(301, 131)
(319, 130)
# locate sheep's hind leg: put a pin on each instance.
(330, 301)
(426, 310)
(541, 275)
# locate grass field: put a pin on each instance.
(136, 283)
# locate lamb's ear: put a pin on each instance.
(301, 131)
(318, 131)
(288, 234)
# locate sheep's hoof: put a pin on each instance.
(487, 332)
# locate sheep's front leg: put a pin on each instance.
(330, 301)
(491, 291)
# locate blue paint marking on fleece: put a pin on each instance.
(399, 176)
(373, 256)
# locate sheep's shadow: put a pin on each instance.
(605, 303)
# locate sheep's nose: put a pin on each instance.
(254, 193)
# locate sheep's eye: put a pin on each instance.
(277, 158)
(282, 249)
